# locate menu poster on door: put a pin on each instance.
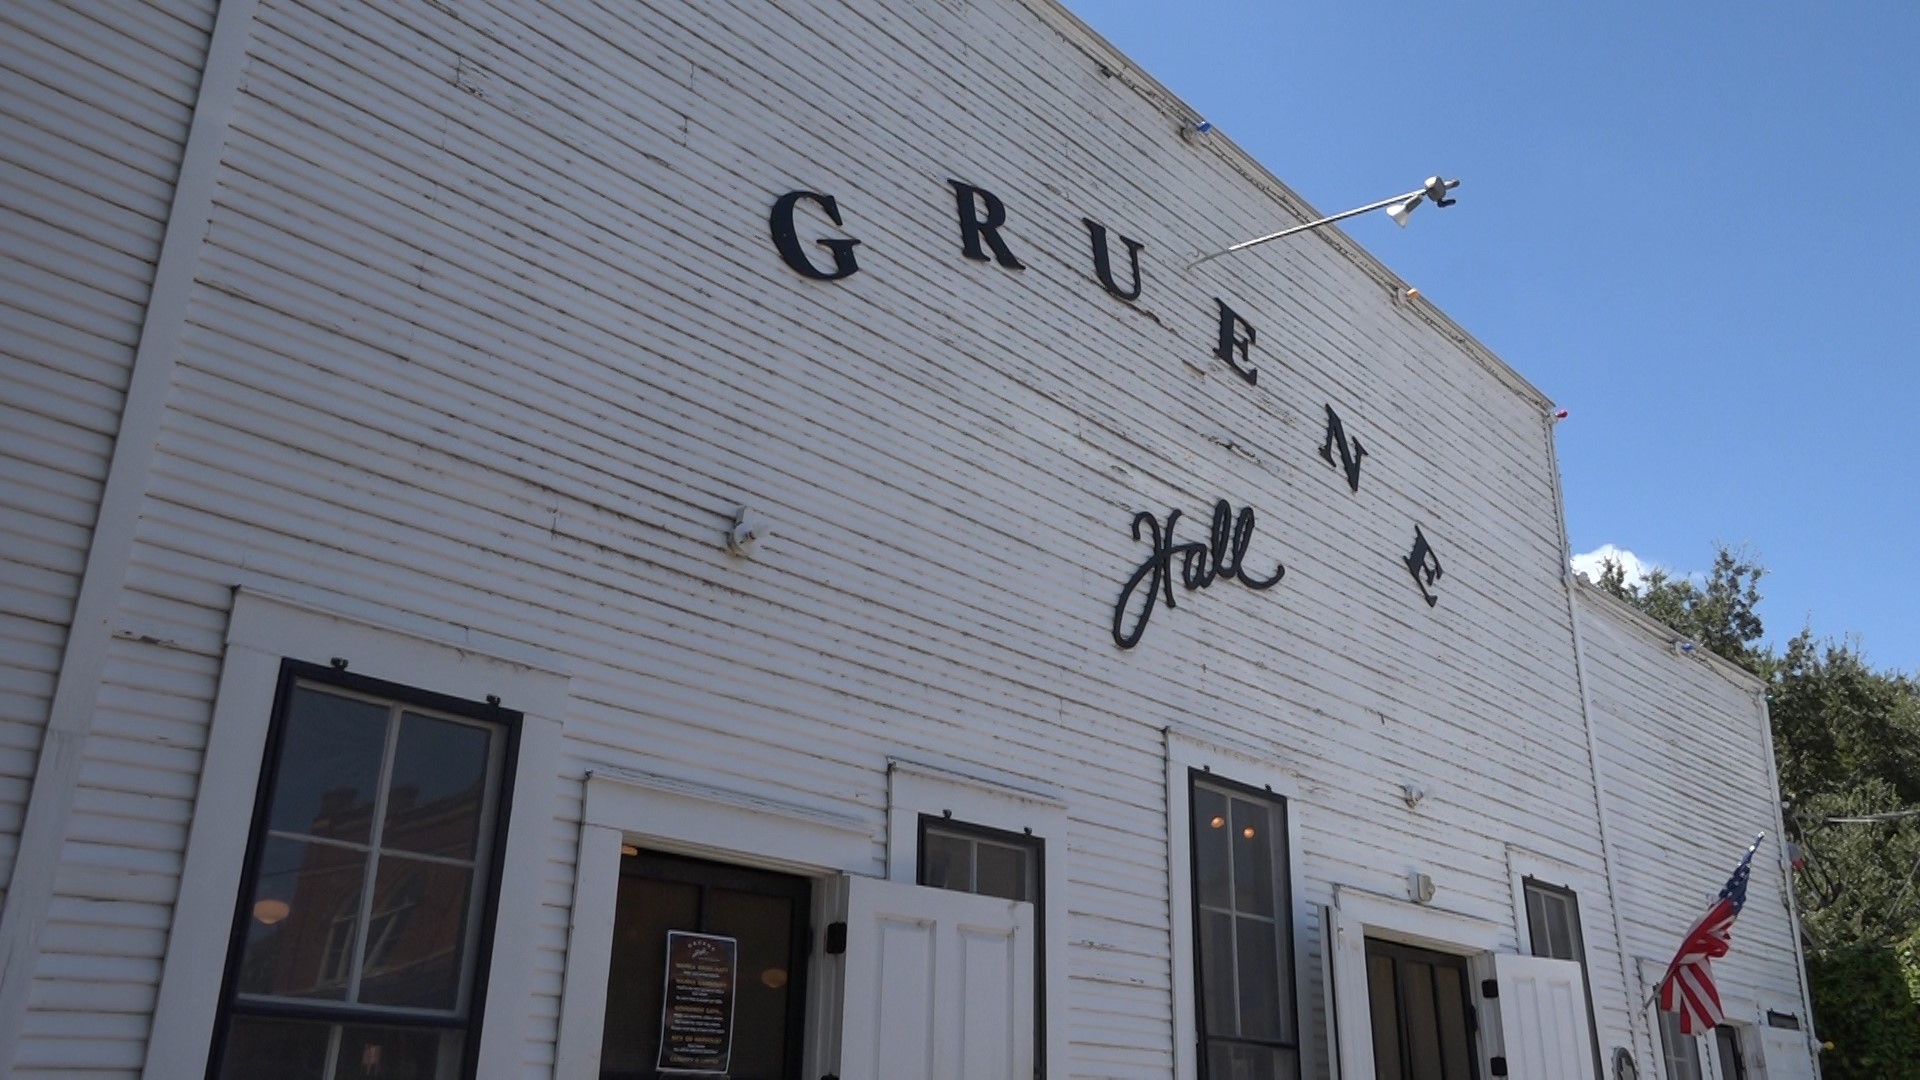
(696, 1015)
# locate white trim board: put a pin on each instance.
(76, 691)
(669, 814)
(262, 632)
(914, 790)
(1184, 755)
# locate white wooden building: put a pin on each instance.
(578, 539)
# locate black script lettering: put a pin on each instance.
(1103, 269)
(787, 241)
(1349, 456)
(1423, 563)
(1201, 564)
(1232, 343)
(968, 200)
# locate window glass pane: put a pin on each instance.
(439, 777)
(1211, 867)
(946, 862)
(283, 1049)
(1455, 1053)
(1259, 979)
(1382, 998)
(396, 1053)
(1217, 972)
(330, 752)
(1537, 922)
(1423, 1020)
(416, 940)
(763, 925)
(1252, 841)
(303, 920)
(1733, 1065)
(645, 910)
(1682, 1051)
(1238, 1061)
(1559, 939)
(1000, 870)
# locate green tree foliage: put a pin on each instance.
(1861, 996)
(1847, 744)
(1721, 615)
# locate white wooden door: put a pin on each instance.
(1784, 1054)
(1343, 942)
(939, 985)
(1543, 1020)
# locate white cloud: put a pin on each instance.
(1636, 567)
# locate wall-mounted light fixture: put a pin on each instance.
(747, 532)
(1419, 887)
(1194, 130)
(1399, 207)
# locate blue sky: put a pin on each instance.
(1695, 226)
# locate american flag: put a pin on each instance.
(1687, 988)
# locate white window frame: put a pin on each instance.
(1583, 884)
(1185, 755)
(1010, 805)
(1396, 919)
(264, 630)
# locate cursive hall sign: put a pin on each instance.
(1198, 565)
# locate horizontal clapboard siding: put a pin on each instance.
(94, 104)
(1688, 782)
(488, 332)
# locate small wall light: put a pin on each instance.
(270, 911)
(1419, 888)
(747, 532)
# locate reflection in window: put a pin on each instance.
(363, 900)
(1243, 960)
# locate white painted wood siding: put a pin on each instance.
(1688, 776)
(94, 104)
(488, 330)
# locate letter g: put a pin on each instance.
(788, 242)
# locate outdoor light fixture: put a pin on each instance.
(1397, 207)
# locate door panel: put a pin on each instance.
(938, 985)
(1543, 1018)
(1344, 949)
(1784, 1054)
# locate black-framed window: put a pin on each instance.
(1246, 1006)
(1553, 930)
(975, 859)
(361, 932)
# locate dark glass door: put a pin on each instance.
(1422, 1019)
(766, 913)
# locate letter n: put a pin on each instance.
(1349, 455)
